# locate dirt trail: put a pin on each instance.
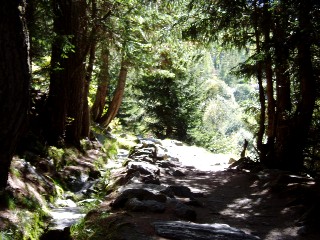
(233, 198)
(236, 199)
(255, 203)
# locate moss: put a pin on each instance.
(70, 155)
(56, 154)
(31, 226)
(11, 234)
(34, 224)
(111, 147)
(127, 142)
(92, 228)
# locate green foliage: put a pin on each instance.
(11, 234)
(169, 94)
(31, 226)
(40, 26)
(58, 192)
(93, 229)
(62, 156)
(40, 73)
(21, 201)
(67, 46)
(104, 183)
(79, 231)
(127, 142)
(111, 147)
(222, 129)
(57, 155)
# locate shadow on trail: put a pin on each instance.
(239, 200)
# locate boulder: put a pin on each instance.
(144, 152)
(140, 194)
(180, 191)
(184, 212)
(136, 205)
(180, 230)
(178, 173)
(143, 168)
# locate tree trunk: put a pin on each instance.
(284, 106)
(89, 70)
(262, 98)
(117, 97)
(102, 90)
(56, 107)
(14, 81)
(290, 150)
(86, 112)
(77, 104)
(66, 103)
(271, 107)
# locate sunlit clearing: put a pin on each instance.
(198, 157)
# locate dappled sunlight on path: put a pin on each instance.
(189, 183)
(232, 197)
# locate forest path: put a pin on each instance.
(236, 199)
(239, 199)
(243, 200)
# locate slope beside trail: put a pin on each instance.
(262, 204)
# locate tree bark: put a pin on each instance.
(103, 82)
(86, 112)
(66, 103)
(14, 81)
(262, 99)
(117, 97)
(271, 111)
(56, 107)
(77, 104)
(290, 149)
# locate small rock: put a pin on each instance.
(180, 191)
(94, 174)
(144, 168)
(150, 179)
(165, 164)
(178, 173)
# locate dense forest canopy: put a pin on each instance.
(211, 73)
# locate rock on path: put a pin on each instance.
(180, 230)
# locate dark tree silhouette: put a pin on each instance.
(67, 106)
(14, 81)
